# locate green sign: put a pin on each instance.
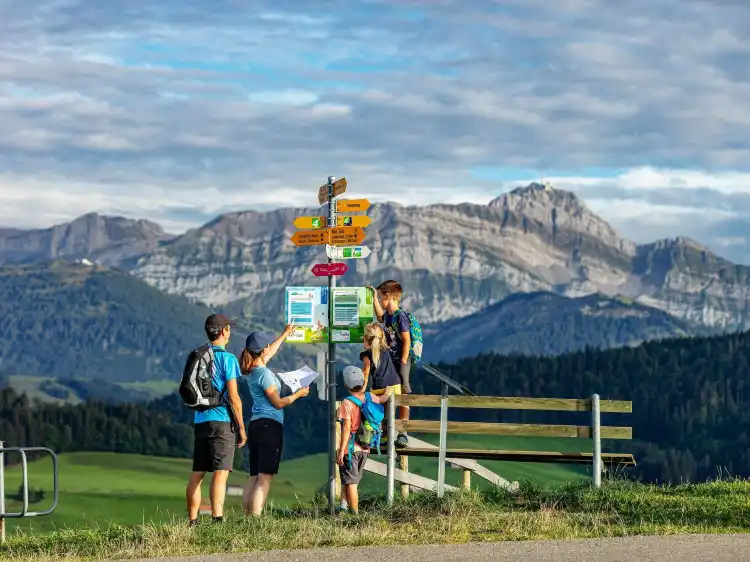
(307, 309)
(352, 312)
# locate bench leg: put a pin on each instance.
(403, 464)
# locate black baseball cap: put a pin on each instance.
(218, 322)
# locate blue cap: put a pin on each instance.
(257, 341)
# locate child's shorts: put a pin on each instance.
(381, 391)
(351, 471)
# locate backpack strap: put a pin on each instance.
(356, 400)
(353, 435)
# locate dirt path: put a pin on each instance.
(681, 548)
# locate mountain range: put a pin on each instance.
(458, 263)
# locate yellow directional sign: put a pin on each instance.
(345, 235)
(352, 205)
(310, 222)
(311, 237)
(359, 220)
(339, 187)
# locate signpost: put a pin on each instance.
(359, 220)
(330, 190)
(311, 237)
(336, 236)
(348, 309)
(346, 235)
(310, 222)
(326, 269)
(348, 252)
(352, 205)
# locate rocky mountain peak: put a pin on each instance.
(559, 209)
(108, 239)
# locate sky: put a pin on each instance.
(179, 110)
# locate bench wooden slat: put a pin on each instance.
(371, 465)
(539, 430)
(515, 403)
(620, 459)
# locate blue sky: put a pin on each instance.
(178, 110)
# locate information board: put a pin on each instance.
(307, 309)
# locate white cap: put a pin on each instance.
(353, 377)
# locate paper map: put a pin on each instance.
(299, 378)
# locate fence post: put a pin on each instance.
(596, 464)
(443, 440)
(2, 493)
(391, 448)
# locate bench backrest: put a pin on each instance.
(516, 403)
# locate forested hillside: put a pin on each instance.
(71, 321)
(691, 407)
(691, 398)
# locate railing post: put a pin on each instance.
(2, 493)
(443, 440)
(596, 436)
(391, 448)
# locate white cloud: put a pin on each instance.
(144, 109)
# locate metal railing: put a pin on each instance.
(25, 485)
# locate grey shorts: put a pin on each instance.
(351, 471)
(403, 370)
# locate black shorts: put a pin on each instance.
(265, 441)
(214, 446)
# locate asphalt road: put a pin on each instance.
(682, 548)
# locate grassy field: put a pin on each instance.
(100, 488)
(31, 386)
(576, 510)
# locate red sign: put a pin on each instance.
(328, 269)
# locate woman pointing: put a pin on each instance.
(265, 432)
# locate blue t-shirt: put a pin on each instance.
(261, 379)
(392, 336)
(226, 368)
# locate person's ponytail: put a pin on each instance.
(375, 338)
(246, 362)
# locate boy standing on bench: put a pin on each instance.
(398, 336)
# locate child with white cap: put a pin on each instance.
(356, 432)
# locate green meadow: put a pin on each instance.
(102, 488)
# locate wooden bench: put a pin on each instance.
(595, 432)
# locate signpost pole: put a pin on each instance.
(331, 368)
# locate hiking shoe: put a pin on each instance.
(402, 441)
(193, 523)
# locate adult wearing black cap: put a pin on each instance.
(266, 429)
(215, 438)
